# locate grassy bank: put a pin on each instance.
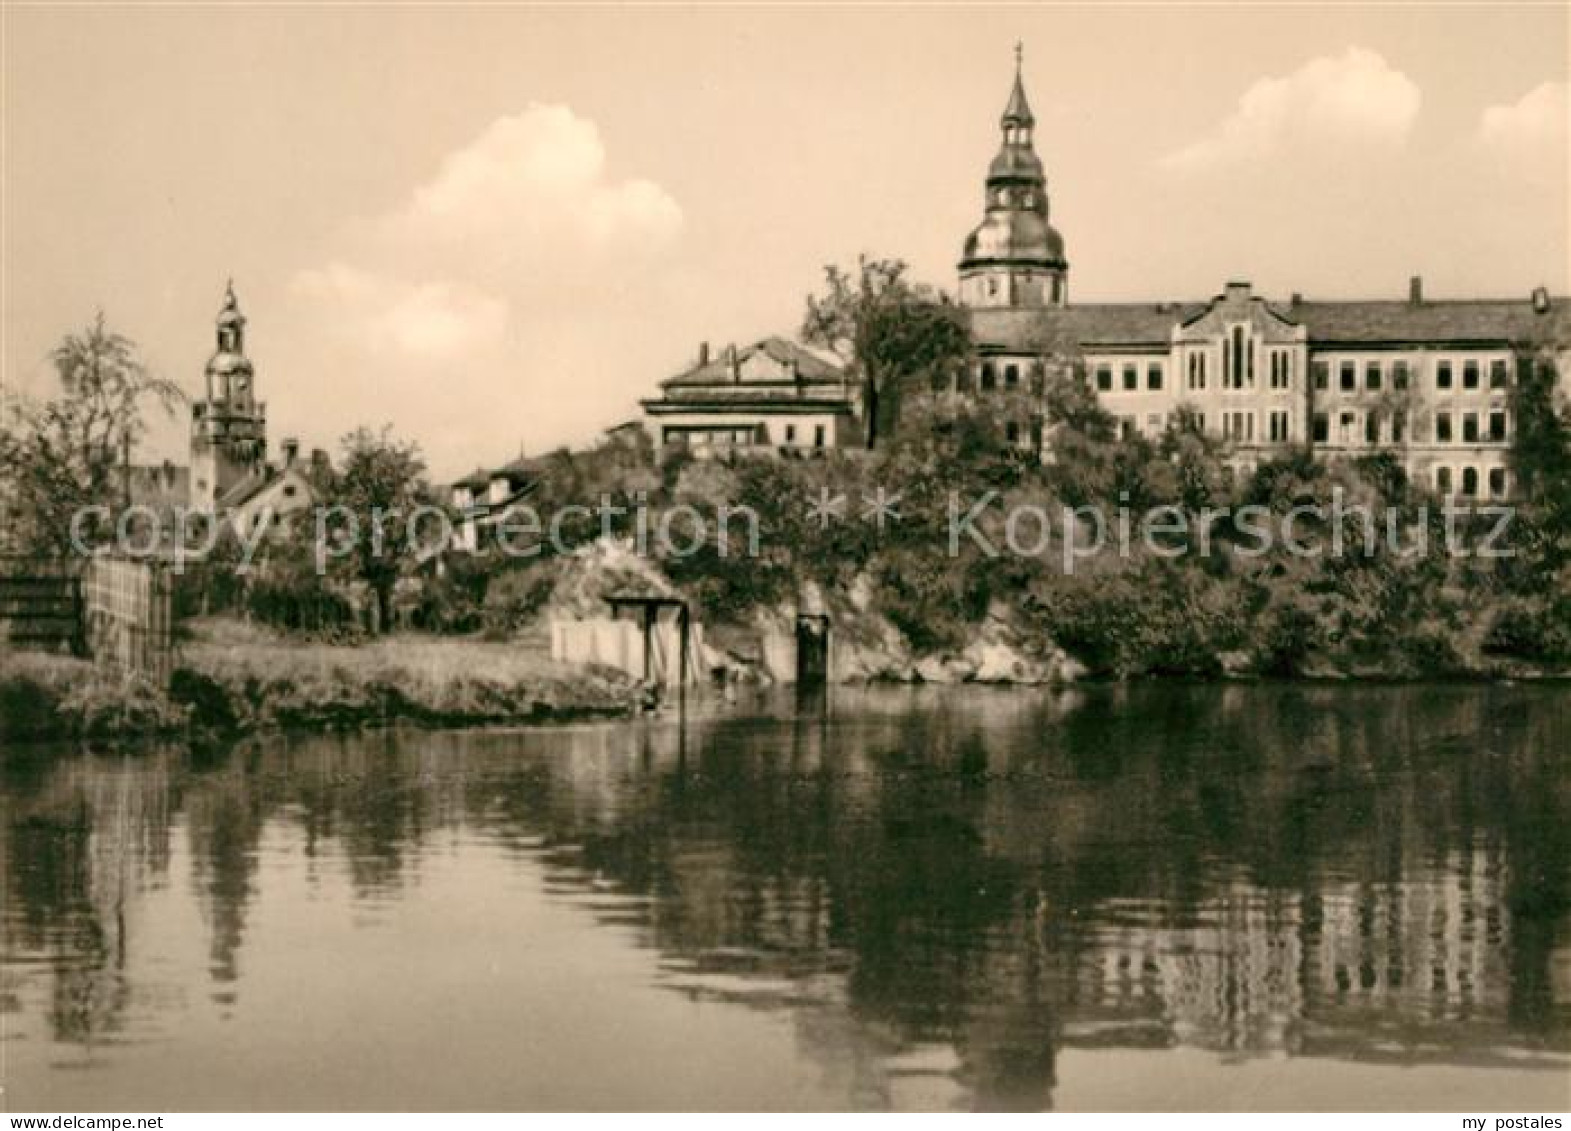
(230, 677)
(43, 696)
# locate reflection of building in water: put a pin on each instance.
(1230, 980)
(1258, 968)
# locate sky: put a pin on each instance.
(496, 228)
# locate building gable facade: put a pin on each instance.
(1428, 381)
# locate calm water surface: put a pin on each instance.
(1156, 897)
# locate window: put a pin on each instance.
(1497, 426)
(1373, 377)
(1398, 427)
(1197, 371)
(1499, 377)
(1126, 427)
(790, 435)
(1497, 482)
(1372, 428)
(818, 435)
(1278, 427)
(1012, 432)
(1011, 376)
(1131, 377)
(1345, 428)
(1442, 427)
(1470, 427)
(1470, 481)
(1399, 374)
(1443, 480)
(1443, 375)
(1349, 376)
(1154, 376)
(1470, 381)
(1038, 378)
(1322, 428)
(1322, 374)
(1104, 378)
(989, 377)
(1281, 369)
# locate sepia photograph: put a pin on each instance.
(785, 557)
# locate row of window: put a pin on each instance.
(1238, 373)
(991, 376)
(1447, 482)
(1374, 375)
(1130, 377)
(1380, 428)
(739, 437)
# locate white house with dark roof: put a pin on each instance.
(484, 496)
(1429, 380)
(772, 396)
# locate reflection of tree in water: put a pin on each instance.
(1321, 870)
(224, 821)
(81, 842)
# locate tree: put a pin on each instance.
(888, 331)
(70, 453)
(378, 490)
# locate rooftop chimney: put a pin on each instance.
(1238, 290)
(703, 353)
(730, 360)
(291, 448)
(1540, 300)
(1298, 299)
(1415, 290)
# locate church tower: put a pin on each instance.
(228, 426)
(1015, 257)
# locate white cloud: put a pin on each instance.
(1352, 98)
(540, 173)
(1533, 126)
(471, 315)
(391, 316)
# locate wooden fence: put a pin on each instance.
(41, 606)
(117, 611)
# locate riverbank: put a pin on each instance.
(233, 678)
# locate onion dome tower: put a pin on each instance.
(1015, 257)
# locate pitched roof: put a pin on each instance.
(1084, 324)
(1505, 321)
(256, 482)
(244, 490)
(1467, 320)
(517, 471)
(810, 365)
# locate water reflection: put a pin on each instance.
(942, 894)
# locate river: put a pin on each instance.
(1150, 897)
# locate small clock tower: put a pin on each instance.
(228, 426)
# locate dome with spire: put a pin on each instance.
(1014, 256)
(229, 358)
